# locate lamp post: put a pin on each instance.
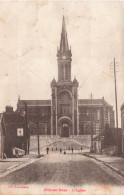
(91, 126)
(114, 69)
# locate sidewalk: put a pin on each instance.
(12, 164)
(113, 162)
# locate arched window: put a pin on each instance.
(64, 103)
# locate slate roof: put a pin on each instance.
(35, 102)
(81, 102)
(12, 118)
(93, 102)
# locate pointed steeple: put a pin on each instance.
(64, 41)
(64, 57)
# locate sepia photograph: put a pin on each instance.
(61, 97)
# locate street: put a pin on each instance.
(70, 169)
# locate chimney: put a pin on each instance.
(9, 109)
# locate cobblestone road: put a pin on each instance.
(70, 169)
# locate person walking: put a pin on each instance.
(47, 149)
(60, 150)
(81, 148)
(72, 149)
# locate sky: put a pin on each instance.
(29, 37)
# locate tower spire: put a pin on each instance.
(64, 41)
(64, 57)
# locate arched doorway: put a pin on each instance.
(65, 126)
(65, 129)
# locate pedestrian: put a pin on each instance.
(60, 150)
(81, 148)
(72, 149)
(47, 149)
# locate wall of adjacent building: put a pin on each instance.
(40, 115)
(99, 116)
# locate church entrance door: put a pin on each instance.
(65, 130)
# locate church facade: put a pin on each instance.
(65, 115)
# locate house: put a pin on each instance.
(108, 141)
(13, 126)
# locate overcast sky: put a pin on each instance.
(29, 37)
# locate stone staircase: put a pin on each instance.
(60, 142)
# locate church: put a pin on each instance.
(65, 115)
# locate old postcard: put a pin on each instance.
(62, 97)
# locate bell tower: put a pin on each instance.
(64, 57)
(64, 102)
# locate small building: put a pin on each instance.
(108, 141)
(13, 128)
(122, 126)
